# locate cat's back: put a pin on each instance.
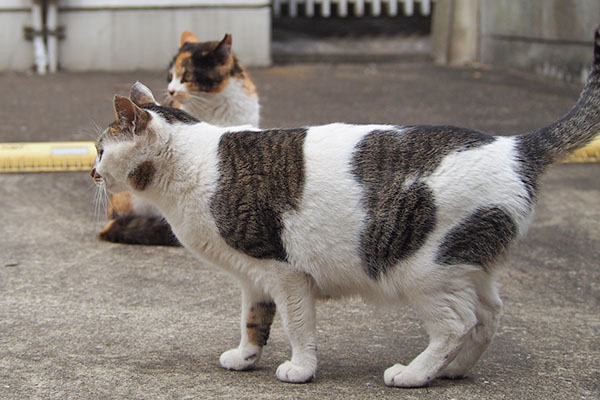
(337, 167)
(359, 195)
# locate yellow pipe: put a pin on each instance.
(587, 154)
(47, 156)
(80, 156)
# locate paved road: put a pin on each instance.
(80, 318)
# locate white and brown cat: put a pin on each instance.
(415, 214)
(208, 81)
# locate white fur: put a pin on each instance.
(459, 305)
(231, 107)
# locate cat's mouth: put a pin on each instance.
(96, 177)
(178, 97)
(171, 101)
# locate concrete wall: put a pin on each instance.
(552, 37)
(15, 52)
(547, 36)
(456, 32)
(125, 35)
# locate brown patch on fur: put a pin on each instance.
(248, 86)
(105, 232)
(261, 177)
(187, 37)
(401, 214)
(183, 62)
(142, 175)
(120, 204)
(258, 324)
(129, 117)
(220, 87)
(170, 102)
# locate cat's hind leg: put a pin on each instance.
(447, 309)
(258, 311)
(488, 316)
(295, 298)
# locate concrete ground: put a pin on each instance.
(84, 319)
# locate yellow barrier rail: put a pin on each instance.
(587, 154)
(47, 157)
(80, 156)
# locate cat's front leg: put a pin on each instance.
(295, 298)
(258, 311)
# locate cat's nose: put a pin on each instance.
(94, 174)
(171, 92)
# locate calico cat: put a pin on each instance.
(208, 81)
(419, 214)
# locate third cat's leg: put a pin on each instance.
(295, 298)
(258, 311)
(488, 315)
(448, 313)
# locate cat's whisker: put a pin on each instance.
(199, 98)
(93, 131)
(97, 127)
(101, 201)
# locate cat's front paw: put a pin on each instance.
(401, 376)
(292, 373)
(240, 359)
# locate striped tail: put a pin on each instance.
(540, 148)
(556, 141)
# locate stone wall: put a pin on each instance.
(551, 37)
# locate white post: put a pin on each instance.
(409, 7)
(52, 26)
(326, 9)
(376, 8)
(39, 47)
(456, 31)
(293, 8)
(343, 8)
(425, 7)
(310, 8)
(392, 7)
(359, 8)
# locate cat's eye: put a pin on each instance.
(187, 77)
(170, 77)
(100, 152)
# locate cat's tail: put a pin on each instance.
(576, 129)
(139, 229)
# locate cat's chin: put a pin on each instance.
(179, 98)
(113, 186)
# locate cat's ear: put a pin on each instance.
(130, 118)
(223, 49)
(141, 94)
(187, 37)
